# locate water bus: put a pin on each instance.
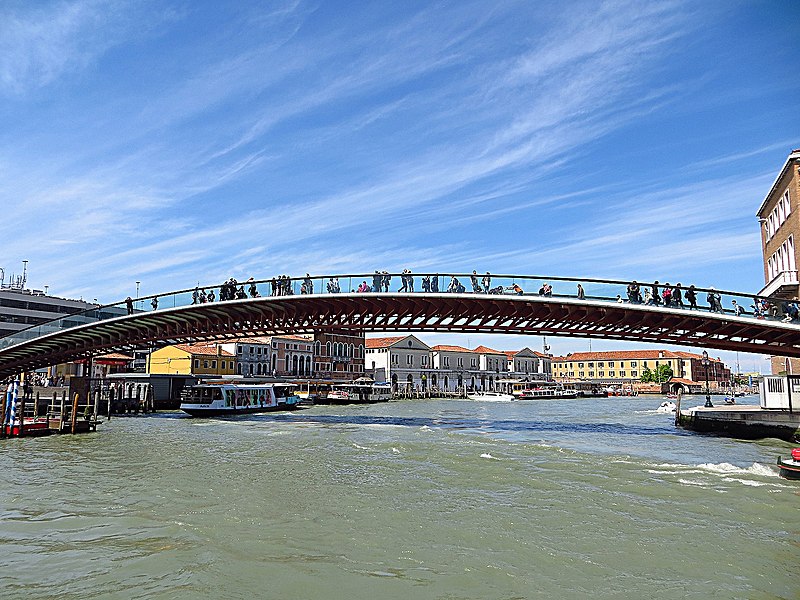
(359, 391)
(210, 399)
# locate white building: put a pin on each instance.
(406, 360)
(529, 364)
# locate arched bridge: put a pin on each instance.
(515, 305)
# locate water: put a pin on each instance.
(594, 498)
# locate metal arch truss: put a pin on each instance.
(378, 312)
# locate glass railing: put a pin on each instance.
(650, 295)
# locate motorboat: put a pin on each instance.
(667, 407)
(790, 467)
(490, 396)
(211, 399)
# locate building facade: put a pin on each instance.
(339, 355)
(186, 359)
(780, 235)
(405, 361)
(628, 366)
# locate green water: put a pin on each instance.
(595, 498)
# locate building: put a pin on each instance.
(339, 355)
(253, 355)
(292, 356)
(780, 223)
(529, 364)
(404, 361)
(186, 359)
(628, 366)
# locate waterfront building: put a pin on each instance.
(292, 355)
(627, 366)
(187, 359)
(339, 355)
(780, 228)
(403, 360)
(253, 355)
(529, 364)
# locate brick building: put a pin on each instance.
(780, 233)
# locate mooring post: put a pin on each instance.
(36, 407)
(3, 414)
(61, 414)
(678, 407)
(74, 415)
(21, 410)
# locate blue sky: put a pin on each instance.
(171, 142)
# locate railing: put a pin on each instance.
(591, 289)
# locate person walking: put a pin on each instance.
(581, 293)
(691, 297)
(677, 296)
(129, 305)
(154, 302)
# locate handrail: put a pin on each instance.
(514, 278)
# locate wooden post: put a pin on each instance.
(110, 397)
(36, 407)
(63, 411)
(75, 412)
(21, 413)
(678, 407)
(3, 402)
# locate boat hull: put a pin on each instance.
(790, 469)
(200, 411)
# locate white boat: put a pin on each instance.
(489, 396)
(359, 392)
(209, 399)
(667, 407)
(547, 393)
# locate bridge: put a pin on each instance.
(515, 304)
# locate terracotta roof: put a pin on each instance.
(298, 338)
(510, 353)
(630, 355)
(383, 342)
(682, 380)
(203, 350)
(445, 348)
(115, 356)
(487, 350)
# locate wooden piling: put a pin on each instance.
(678, 407)
(74, 422)
(21, 413)
(4, 398)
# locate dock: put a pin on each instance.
(744, 422)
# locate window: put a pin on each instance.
(424, 360)
(239, 349)
(580, 365)
(612, 374)
(460, 361)
(634, 373)
(410, 360)
(196, 363)
(222, 364)
(213, 364)
(395, 359)
(205, 364)
(600, 364)
(633, 363)
(622, 373)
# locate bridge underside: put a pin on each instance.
(404, 312)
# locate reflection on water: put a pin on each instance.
(420, 499)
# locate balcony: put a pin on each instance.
(783, 285)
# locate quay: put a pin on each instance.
(744, 422)
(774, 417)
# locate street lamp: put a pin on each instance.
(137, 293)
(705, 362)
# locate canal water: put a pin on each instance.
(587, 498)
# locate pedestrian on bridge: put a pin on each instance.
(691, 297)
(581, 293)
(677, 296)
(655, 294)
(129, 305)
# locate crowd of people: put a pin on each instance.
(648, 294)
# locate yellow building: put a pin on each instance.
(630, 364)
(185, 359)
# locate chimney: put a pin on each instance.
(219, 350)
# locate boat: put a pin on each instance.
(489, 396)
(667, 407)
(211, 399)
(547, 393)
(364, 391)
(672, 396)
(790, 467)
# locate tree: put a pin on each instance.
(661, 374)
